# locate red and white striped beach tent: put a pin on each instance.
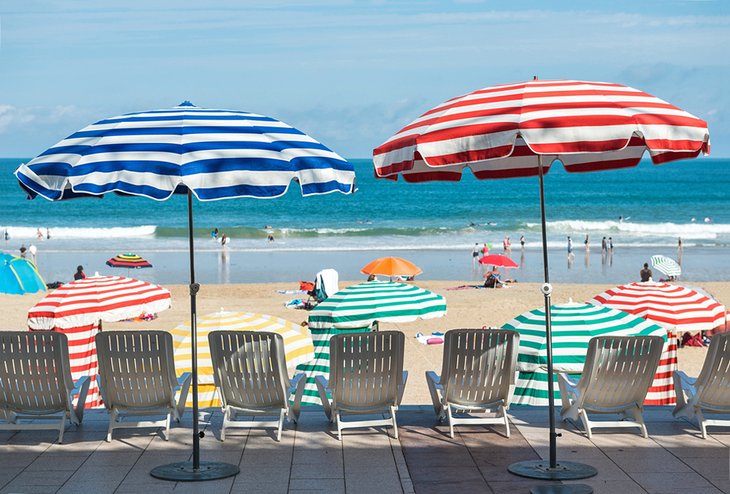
(77, 308)
(676, 308)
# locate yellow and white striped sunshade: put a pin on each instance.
(297, 342)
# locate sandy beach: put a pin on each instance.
(466, 308)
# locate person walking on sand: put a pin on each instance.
(604, 245)
(48, 234)
(586, 242)
(522, 241)
(224, 240)
(610, 244)
(475, 254)
(570, 246)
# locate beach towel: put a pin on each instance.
(465, 287)
(435, 338)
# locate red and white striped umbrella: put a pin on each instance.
(76, 309)
(501, 131)
(97, 298)
(675, 307)
(519, 130)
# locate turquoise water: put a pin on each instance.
(657, 204)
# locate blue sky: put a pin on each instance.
(350, 73)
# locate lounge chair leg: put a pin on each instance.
(506, 419)
(395, 424)
(701, 423)
(60, 430)
(451, 422)
(112, 419)
(281, 424)
(586, 423)
(166, 432)
(337, 422)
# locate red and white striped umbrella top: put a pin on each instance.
(675, 307)
(499, 132)
(89, 300)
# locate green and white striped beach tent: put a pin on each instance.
(573, 325)
(355, 309)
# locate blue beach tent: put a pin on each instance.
(19, 276)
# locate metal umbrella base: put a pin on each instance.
(184, 471)
(565, 470)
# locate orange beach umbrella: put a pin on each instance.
(392, 266)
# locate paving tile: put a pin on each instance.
(56, 461)
(667, 482)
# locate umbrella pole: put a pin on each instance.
(195, 470)
(539, 469)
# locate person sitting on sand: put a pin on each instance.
(645, 273)
(492, 278)
(79, 274)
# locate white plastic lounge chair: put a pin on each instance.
(616, 377)
(249, 370)
(710, 391)
(478, 374)
(366, 377)
(36, 382)
(137, 379)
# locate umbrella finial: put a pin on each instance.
(186, 103)
(534, 77)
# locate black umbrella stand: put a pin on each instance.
(196, 470)
(552, 469)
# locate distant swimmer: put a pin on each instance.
(708, 219)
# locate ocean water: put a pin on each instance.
(644, 210)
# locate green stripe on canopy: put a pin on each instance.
(573, 325)
(360, 305)
(355, 309)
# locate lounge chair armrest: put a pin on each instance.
(565, 378)
(323, 387)
(432, 377)
(183, 384)
(80, 389)
(296, 387)
(684, 378)
(402, 387)
(185, 376)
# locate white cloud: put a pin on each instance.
(11, 117)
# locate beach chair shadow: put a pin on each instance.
(616, 377)
(137, 380)
(36, 383)
(477, 375)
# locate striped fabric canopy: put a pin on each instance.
(675, 307)
(666, 265)
(218, 154)
(76, 308)
(355, 309)
(573, 325)
(297, 343)
(359, 306)
(131, 261)
(499, 132)
(97, 298)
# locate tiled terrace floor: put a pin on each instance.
(309, 457)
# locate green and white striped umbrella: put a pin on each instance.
(359, 306)
(573, 325)
(666, 265)
(355, 309)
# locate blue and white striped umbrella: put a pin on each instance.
(213, 154)
(218, 154)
